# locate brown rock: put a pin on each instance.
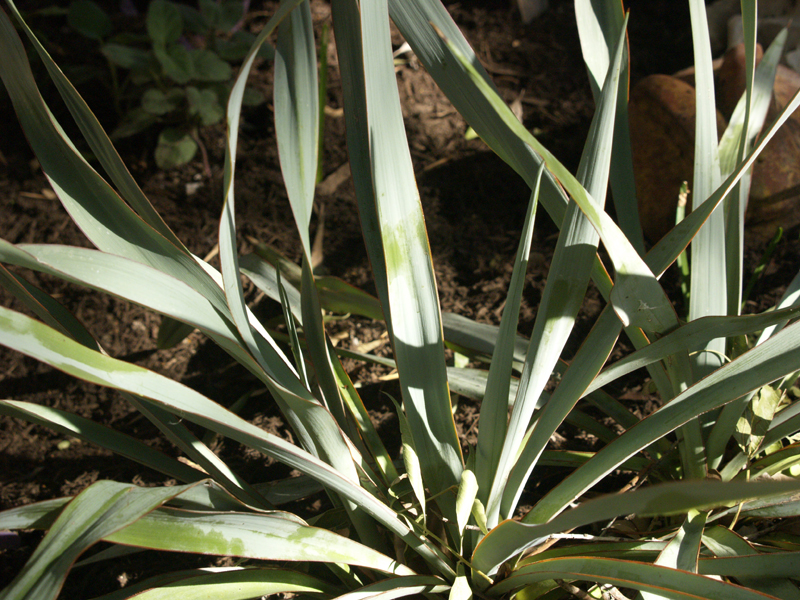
(774, 193)
(662, 115)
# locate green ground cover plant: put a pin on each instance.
(175, 75)
(708, 469)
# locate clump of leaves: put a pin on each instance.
(177, 72)
(707, 472)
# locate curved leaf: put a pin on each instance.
(97, 512)
(666, 582)
(511, 537)
(45, 344)
(229, 583)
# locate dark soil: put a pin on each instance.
(474, 205)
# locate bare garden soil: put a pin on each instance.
(473, 203)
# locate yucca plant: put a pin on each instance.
(437, 522)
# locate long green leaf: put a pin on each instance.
(725, 543)
(392, 221)
(709, 266)
(683, 549)
(46, 307)
(97, 512)
(511, 537)
(105, 437)
(228, 583)
(666, 582)
(100, 213)
(398, 587)
(599, 22)
(563, 293)
(273, 536)
(494, 407)
(691, 335)
(45, 344)
(759, 366)
(297, 114)
(98, 141)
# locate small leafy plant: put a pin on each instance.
(703, 472)
(176, 75)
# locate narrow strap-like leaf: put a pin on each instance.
(756, 368)
(97, 512)
(669, 583)
(494, 408)
(511, 537)
(105, 437)
(565, 289)
(34, 339)
(389, 201)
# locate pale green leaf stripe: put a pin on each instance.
(45, 344)
(563, 293)
(414, 319)
(511, 537)
(98, 141)
(229, 583)
(398, 587)
(761, 365)
(690, 336)
(105, 437)
(663, 581)
(97, 512)
(273, 536)
(297, 114)
(494, 408)
(100, 213)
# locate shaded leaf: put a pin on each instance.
(164, 22)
